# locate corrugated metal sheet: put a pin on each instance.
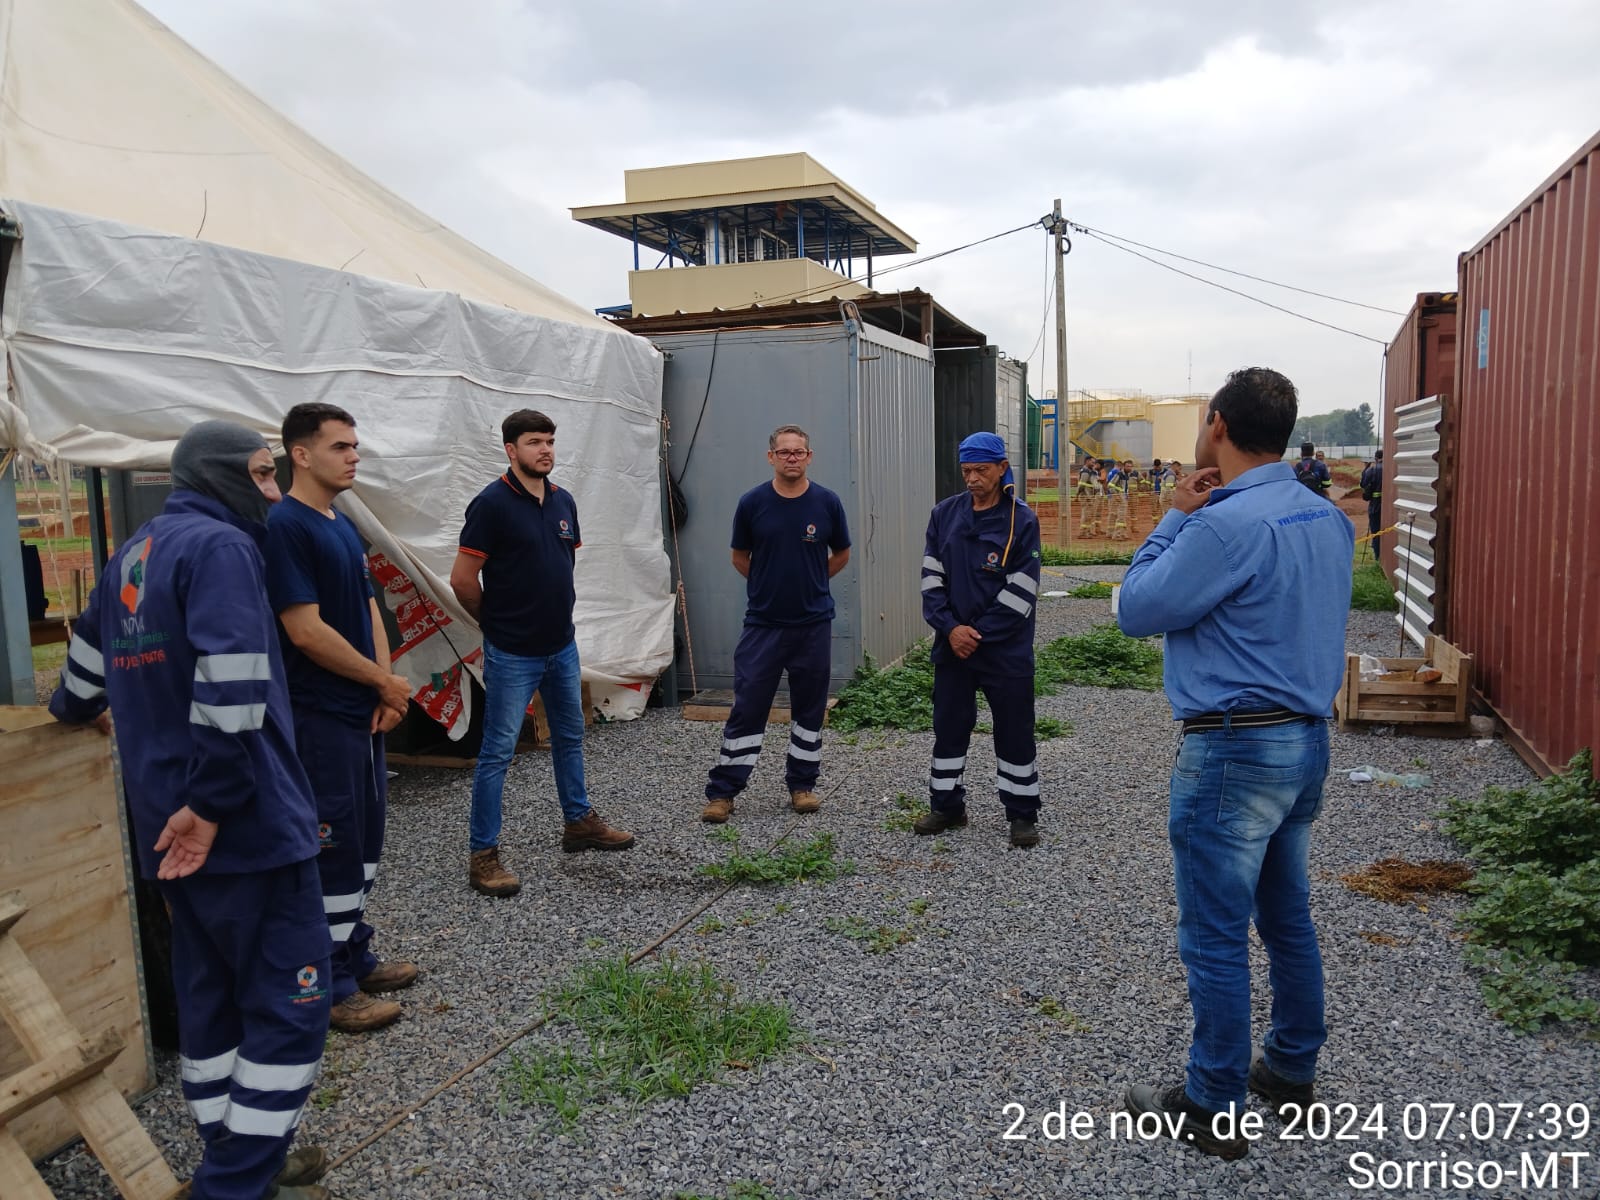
(1524, 572)
(1414, 500)
(893, 414)
(1011, 409)
(867, 403)
(1420, 362)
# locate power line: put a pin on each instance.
(1044, 319)
(1242, 274)
(1087, 232)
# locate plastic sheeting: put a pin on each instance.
(118, 339)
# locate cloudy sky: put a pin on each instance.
(1352, 149)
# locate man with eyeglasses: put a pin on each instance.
(790, 538)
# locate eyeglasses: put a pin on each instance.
(791, 455)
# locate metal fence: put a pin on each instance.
(1418, 540)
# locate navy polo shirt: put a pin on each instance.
(528, 548)
(312, 559)
(789, 539)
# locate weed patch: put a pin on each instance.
(900, 697)
(1047, 729)
(1090, 591)
(904, 814)
(644, 1034)
(1535, 921)
(1060, 556)
(789, 864)
(1103, 657)
(882, 938)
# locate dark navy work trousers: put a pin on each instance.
(346, 767)
(250, 965)
(955, 712)
(763, 655)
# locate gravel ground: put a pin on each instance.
(915, 1055)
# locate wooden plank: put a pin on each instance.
(18, 1179)
(714, 704)
(98, 1109)
(46, 1078)
(63, 850)
(1406, 687)
(1405, 717)
(429, 760)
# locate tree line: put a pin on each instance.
(1341, 427)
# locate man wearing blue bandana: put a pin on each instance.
(980, 577)
(1249, 578)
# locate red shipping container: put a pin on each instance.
(1524, 596)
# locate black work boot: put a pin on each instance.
(1197, 1129)
(1275, 1089)
(1024, 833)
(938, 822)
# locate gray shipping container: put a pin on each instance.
(865, 397)
(975, 390)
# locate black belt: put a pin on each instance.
(1244, 720)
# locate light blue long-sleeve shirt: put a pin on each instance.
(1253, 593)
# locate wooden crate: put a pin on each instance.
(63, 850)
(1405, 701)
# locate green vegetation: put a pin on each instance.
(1090, 591)
(790, 864)
(882, 938)
(1070, 1021)
(904, 814)
(1061, 556)
(901, 697)
(1044, 496)
(1535, 922)
(1341, 427)
(1371, 590)
(644, 1034)
(1047, 729)
(1103, 657)
(740, 1189)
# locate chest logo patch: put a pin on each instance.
(810, 534)
(566, 529)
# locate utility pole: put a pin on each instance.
(1059, 229)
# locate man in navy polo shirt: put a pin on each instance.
(521, 536)
(1249, 578)
(345, 696)
(789, 538)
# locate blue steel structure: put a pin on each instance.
(761, 232)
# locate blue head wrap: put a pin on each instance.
(987, 448)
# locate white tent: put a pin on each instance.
(118, 338)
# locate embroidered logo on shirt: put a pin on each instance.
(991, 562)
(566, 530)
(810, 534)
(325, 837)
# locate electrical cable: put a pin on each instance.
(1224, 287)
(711, 371)
(1242, 274)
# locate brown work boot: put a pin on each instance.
(388, 977)
(489, 876)
(805, 802)
(304, 1165)
(359, 1013)
(717, 810)
(592, 833)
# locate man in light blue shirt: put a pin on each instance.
(1249, 578)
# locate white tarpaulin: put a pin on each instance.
(118, 339)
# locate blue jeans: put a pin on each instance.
(509, 681)
(1240, 825)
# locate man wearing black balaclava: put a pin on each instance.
(179, 641)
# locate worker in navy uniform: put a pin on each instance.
(980, 578)
(1372, 493)
(790, 538)
(178, 639)
(345, 696)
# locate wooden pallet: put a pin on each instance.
(71, 1068)
(1405, 701)
(714, 704)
